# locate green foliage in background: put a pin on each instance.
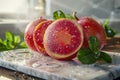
(11, 41)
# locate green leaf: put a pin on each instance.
(92, 54)
(23, 45)
(12, 41)
(109, 31)
(9, 36)
(93, 43)
(105, 57)
(86, 56)
(1, 40)
(69, 16)
(5, 43)
(58, 14)
(106, 22)
(9, 41)
(17, 40)
(2, 46)
(8, 44)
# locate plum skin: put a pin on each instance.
(92, 28)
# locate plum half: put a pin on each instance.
(28, 35)
(63, 38)
(38, 35)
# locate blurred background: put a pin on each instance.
(23, 11)
(35, 8)
(98, 8)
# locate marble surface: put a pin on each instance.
(7, 74)
(45, 67)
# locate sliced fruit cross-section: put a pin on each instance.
(28, 35)
(38, 35)
(63, 38)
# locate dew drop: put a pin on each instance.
(53, 35)
(38, 40)
(72, 46)
(38, 34)
(75, 31)
(44, 24)
(66, 28)
(87, 26)
(67, 47)
(73, 36)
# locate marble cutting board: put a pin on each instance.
(31, 63)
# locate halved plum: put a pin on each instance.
(63, 38)
(38, 35)
(28, 35)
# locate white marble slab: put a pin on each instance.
(47, 68)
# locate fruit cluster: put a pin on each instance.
(61, 38)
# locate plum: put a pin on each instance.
(92, 28)
(28, 35)
(63, 38)
(38, 35)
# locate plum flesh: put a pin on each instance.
(63, 38)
